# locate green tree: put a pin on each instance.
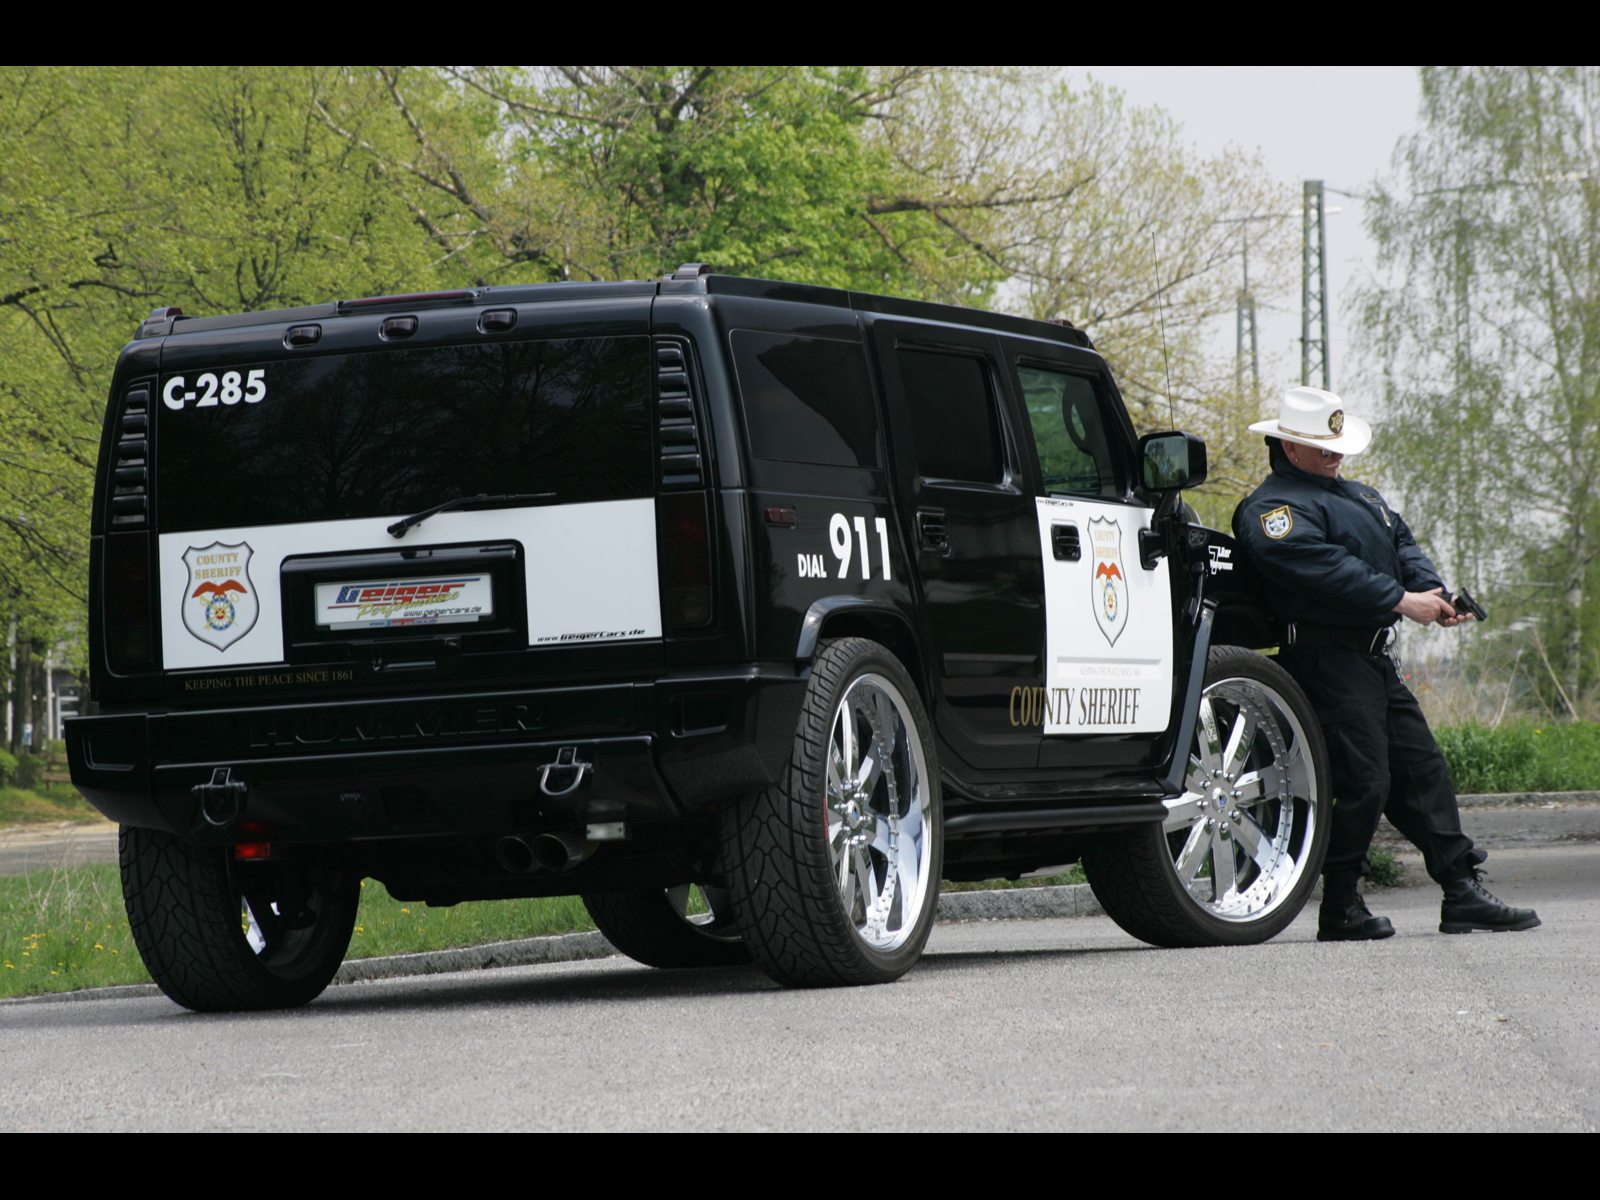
(1093, 210)
(624, 172)
(1489, 344)
(213, 189)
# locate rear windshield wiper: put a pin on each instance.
(399, 527)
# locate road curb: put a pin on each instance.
(1516, 799)
(524, 952)
(1020, 904)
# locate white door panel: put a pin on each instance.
(1108, 622)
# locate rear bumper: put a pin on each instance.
(657, 752)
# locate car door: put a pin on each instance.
(973, 533)
(1108, 658)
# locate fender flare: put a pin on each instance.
(821, 611)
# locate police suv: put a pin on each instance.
(746, 611)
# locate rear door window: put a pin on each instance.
(954, 423)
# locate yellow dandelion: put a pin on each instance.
(116, 951)
(10, 966)
(361, 928)
(98, 946)
(406, 911)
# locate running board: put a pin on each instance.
(1079, 816)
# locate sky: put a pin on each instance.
(1337, 124)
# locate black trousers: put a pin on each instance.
(1383, 759)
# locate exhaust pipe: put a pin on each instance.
(561, 851)
(516, 855)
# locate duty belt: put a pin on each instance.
(1368, 641)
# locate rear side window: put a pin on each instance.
(397, 431)
(955, 428)
(1074, 452)
(806, 399)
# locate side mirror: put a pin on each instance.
(1170, 462)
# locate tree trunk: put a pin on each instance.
(36, 706)
(21, 689)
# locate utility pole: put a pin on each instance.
(1314, 360)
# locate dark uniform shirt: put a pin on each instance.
(1330, 552)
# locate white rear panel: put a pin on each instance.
(590, 571)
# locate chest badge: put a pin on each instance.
(1108, 585)
(219, 599)
(1277, 523)
(1376, 501)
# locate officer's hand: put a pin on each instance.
(1427, 607)
(1461, 618)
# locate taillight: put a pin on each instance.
(130, 636)
(685, 541)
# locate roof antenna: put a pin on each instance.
(1155, 262)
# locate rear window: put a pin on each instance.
(397, 431)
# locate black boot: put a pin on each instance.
(1468, 906)
(1343, 916)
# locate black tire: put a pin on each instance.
(1151, 879)
(799, 856)
(653, 926)
(194, 912)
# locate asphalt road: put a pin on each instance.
(1060, 1024)
(27, 848)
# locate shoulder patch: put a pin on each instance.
(1277, 523)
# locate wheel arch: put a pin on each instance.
(858, 616)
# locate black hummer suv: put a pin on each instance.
(806, 598)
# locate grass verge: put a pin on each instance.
(66, 929)
(23, 806)
(1523, 756)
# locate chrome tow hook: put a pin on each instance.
(222, 799)
(566, 761)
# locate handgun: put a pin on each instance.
(1462, 602)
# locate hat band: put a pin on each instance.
(1321, 437)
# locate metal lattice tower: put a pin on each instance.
(1315, 367)
(1246, 339)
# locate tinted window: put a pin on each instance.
(955, 428)
(1074, 453)
(397, 431)
(806, 400)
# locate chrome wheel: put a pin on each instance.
(1241, 834)
(879, 801)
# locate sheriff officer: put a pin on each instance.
(1341, 568)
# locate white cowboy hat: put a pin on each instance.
(1313, 417)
